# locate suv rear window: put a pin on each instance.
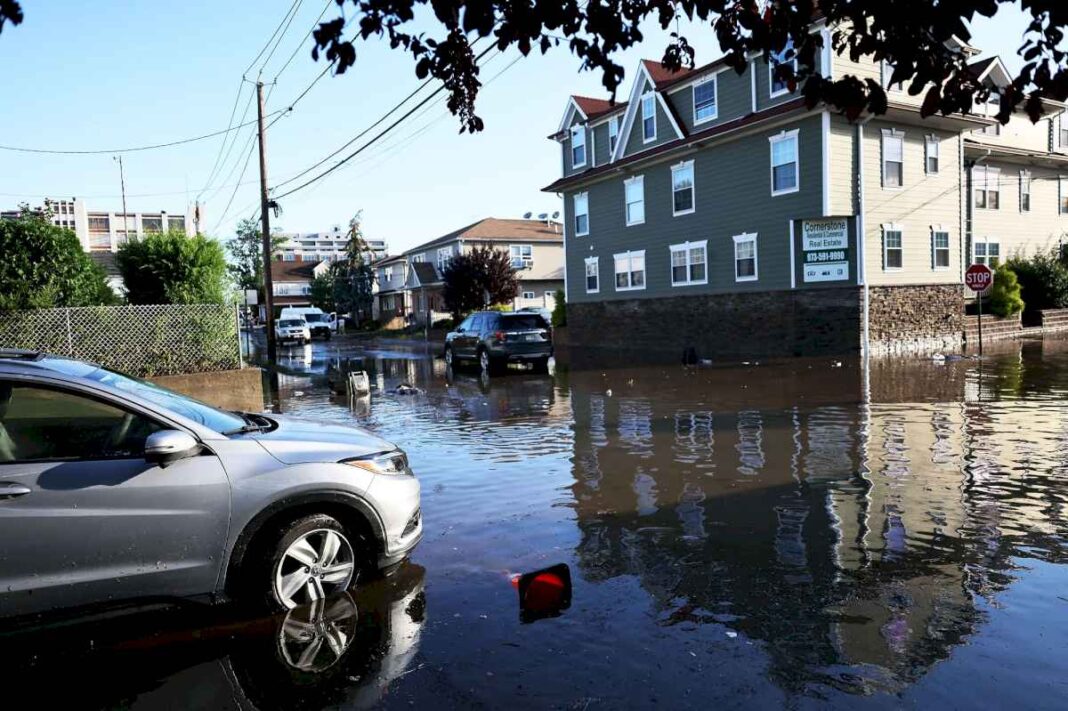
(513, 322)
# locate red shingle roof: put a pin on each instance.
(662, 75)
(595, 108)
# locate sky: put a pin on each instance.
(121, 73)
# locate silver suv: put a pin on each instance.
(112, 488)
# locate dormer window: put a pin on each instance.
(648, 118)
(785, 57)
(578, 146)
(613, 133)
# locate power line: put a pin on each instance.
(293, 16)
(271, 38)
(303, 39)
(248, 157)
(371, 142)
(131, 149)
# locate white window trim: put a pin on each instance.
(936, 229)
(929, 140)
(986, 242)
(532, 295)
(891, 227)
(596, 262)
(686, 247)
(651, 96)
(772, 94)
(526, 264)
(738, 239)
(891, 133)
(772, 140)
(693, 99)
(1025, 175)
(985, 170)
(628, 255)
(693, 188)
(613, 123)
(640, 179)
(575, 200)
(576, 129)
(1062, 180)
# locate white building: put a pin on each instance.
(105, 231)
(323, 246)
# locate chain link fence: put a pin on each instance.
(140, 340)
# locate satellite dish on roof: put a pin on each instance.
(556, 214)
(543, 216)
(527, 215)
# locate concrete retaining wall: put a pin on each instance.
(225, 389)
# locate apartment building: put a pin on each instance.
(719, 204)
(410, 285)
(324, 246)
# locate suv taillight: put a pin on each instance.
(499, 336)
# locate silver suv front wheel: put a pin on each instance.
(313, 559)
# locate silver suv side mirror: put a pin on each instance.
(167, 446)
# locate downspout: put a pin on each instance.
(969, 206)
(862, 238)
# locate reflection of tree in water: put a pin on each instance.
(852, 540)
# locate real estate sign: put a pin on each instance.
(825, 243)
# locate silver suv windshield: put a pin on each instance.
(314, 318)
(291, 323)
(201, 413)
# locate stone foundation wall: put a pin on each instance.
(722, 326)
(905, 319)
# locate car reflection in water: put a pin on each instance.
(342, 651)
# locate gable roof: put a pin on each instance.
(661, 75)
(644, 75)
(596, 108)
(426, 273)
(493, 229)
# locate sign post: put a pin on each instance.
(978, 278)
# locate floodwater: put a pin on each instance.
(806, 533)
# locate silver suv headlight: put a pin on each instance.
(393, 463)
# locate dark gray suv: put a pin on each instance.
(112, 488)
(492, 339)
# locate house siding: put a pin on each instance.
(843, 164)
(1044, 225)
(727, 175)
(763, 87)
(569, 168)
(923, 201)
(732, 100)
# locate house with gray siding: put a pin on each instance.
(714, 210)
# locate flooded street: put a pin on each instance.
(808, 533)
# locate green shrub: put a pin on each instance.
(1043, 280)
(1004, 297)
(443, 323)
(560, 310)
(173, 268)
(503, 308)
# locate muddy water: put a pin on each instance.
(807, 533)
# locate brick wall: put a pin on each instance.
(722, 326)
(914, 318)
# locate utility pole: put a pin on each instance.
(122, 186)
(265, 212)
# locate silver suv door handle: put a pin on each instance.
(10, 491)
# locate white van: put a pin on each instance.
(319, 323)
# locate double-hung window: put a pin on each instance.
(444, 255)
(1025, 191)
(893, 250)
(745, 257)
(387, 274)
(593, 276)
(1062, 195)
(582, 214)
(578, 146)
(931, 151)
(704, 100)
(522, 256)
(784, 172)
(893, 158)
(939, 248)
(648, 118)
(1062, 133)
(785, 58)
(634, 190)
(688, 263)
(986, 252)
(630, 270)
(985, 181)
(613, 133)
(682, 188)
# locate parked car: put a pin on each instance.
(292, 329)
(492, 339)
(112, 488)
(319, 322)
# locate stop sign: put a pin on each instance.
(979, 277)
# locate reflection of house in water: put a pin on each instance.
(850, 538)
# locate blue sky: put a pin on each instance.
(121, 73)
